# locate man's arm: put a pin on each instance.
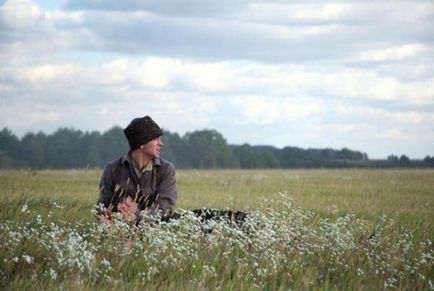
(167, 192)
(105, 194)
(106, 186)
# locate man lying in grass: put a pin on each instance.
(143, 183)
(140, 180)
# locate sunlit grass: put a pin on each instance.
(403, 192)
(345, 229)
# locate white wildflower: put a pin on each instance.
(58, 205)
(25, 208)
(28, 259)
(53, 274)
(106, 263)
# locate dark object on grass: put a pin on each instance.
(214, 214)
(372, 237)
(205, 214)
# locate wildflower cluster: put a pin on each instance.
(276, 247)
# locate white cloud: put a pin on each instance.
(394, 133)
(346, 128)
(394, 53)
(321, 12)
(26, 116)
(414, 117)
(115, 72)
(154, 73)
(21, 14)
(50, 73)
(269, 31)
(104, 110)
(382, 117)
(163, 73)
(268, 109)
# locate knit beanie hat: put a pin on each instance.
(141, 130)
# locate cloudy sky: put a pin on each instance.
(313, 74)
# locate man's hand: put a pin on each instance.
(128, 208)
(105, 216)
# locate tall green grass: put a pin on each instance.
(321, 229)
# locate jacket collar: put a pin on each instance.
(126, 160)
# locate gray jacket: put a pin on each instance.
(154, 190)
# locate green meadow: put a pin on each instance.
(308, 229)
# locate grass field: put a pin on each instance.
(320, 229)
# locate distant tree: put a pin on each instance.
(268, 160)
(10, 144)
(246, 155)
(112, 144)
(6, 162)
(209, 150)
(268, 156)
(33, 149)
(70, 148)
(393, 160)
(64, 149)
(90, 150)
(404, 161)
(292, 157)
(429, 161)
(348, 154)
(176, 150)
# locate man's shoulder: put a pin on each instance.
(115, 163)
(165, 164)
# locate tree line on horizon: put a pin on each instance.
(203, 149)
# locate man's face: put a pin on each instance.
(152, 148)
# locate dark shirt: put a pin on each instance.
(154, 190)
